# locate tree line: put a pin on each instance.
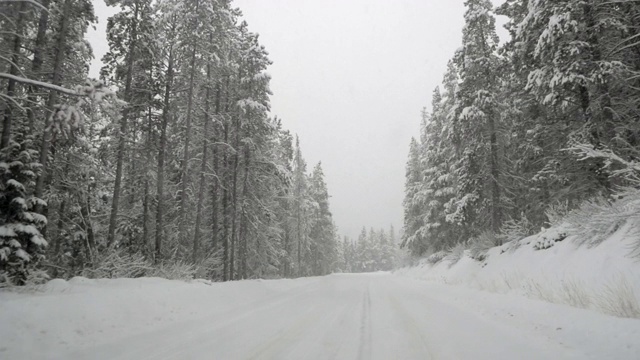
(375, 250)
(548, 119)
(172, 156)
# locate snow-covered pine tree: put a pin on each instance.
(21, 243)
(570, 42)
(478, 201)
(321, 235)
(413, 212)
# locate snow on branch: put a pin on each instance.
(93, 89)
(246, 104)
(32, 2)
(41, 84)
(586, 151)
(589, 152)
(66, 119)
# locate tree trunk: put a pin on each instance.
(225, 187)
(15, 58)
(495, 173)
(53, 98)
(214, 199)
(243, 227)
(187, 140)
(161, 153)
(60, 225)
(122, 140)
(234, 193)
(214, 184)
(36, 63)
(147, 185)
(203, 168)
(243, 245)
(225, 208)
(87, 226)
(287, 262)
(298, 224)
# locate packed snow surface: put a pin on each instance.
(366, 316)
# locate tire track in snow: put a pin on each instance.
(335, 341)
(364, 350)
(419, 344)
(324, 332)
(210, 324)
(272, 348)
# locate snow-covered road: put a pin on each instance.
(368, 316)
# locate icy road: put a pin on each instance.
(369, 316)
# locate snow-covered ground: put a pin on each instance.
(604, 277)
(367, 316)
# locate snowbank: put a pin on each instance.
(551, 266)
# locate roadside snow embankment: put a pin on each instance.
(550, 266)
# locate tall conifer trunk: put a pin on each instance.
(234, 196)
(161, 154)
(36, 63)
(7, 123)
(56, 79)
(203, 168)
(122, 138)
(187, 138)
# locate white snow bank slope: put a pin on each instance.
(604, 277)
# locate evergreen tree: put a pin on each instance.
(321, 232)
(190, 134)
(545, 118)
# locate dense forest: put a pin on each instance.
(535, 126)
(168, 165)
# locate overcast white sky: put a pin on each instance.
(350, 77)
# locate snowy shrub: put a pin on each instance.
(404, 258)
(635, 249)
(514, 230)
(619, 299)
(548, 237)
(540, 290)
(117, 263)
(629, 201)
(436, 257)
(511, 280)
(210, 267)
(173, 271)
(33, 280)
(556, 212)
(455, 254)
(575, 293)
(568, 292)
(597, 219)
(479, 246)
